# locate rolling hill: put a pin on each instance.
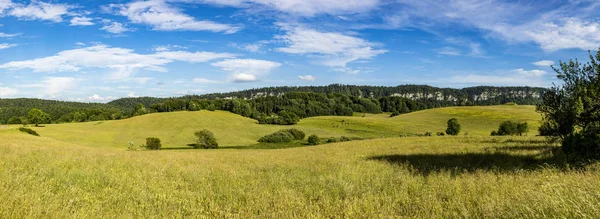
(176, 129)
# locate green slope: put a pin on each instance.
(176, 129)
(475, 120)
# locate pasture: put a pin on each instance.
(83, 170)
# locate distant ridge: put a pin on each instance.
(480, 95)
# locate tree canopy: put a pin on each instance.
(571, 110)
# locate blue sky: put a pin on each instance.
(96, 51)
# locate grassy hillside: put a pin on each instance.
(176, 129)
(420, 177)
(475, 120)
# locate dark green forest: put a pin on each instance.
(278, 105)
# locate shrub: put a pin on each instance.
(427, 134)
(298, 134)
(277, 137)
(582, 145)
(205, 139)
(28, 131)
(314, 140)
(131, 146)
(153, 143)
(440, 134)
(512, 128)
(453, 127)
(395, 113)
(332, 140)
(344, 138)
(14, 120)
(494, 133)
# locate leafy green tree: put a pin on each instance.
(453, 127)
(314, 140)
(153, 143)
(522, 128)
(14, 120)
(508, 128)
(571, 111)
(37, 116)
(205, 139)
(139, 109)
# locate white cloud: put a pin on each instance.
(164, 48)
(7, 92)
(347, 70)
(37, 10)
(304, 7)
(246, 70)
(51, 86)
(114, 27)
(536, 72)
(131, 94)
(121, 62)
(164, 17)
(307, 78)
(81, 21)
(204, 81)
(241, 77)
(6, 45)
(449, 51)
(5, 4)
(194, 57)
(335, 49)
(97, 97)
(6, 35)
(571, 25)
(543, 63)
(565, 34)
(252, 47)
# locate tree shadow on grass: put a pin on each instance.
(460, 163)
(177, 148)
(268, 146)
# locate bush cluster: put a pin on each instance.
(298, 134)
(394, 114)
(314, 140)
(511, 128)
(153, 143)
(28, 131)
(277, 137)
(283, 136)
(341, 139)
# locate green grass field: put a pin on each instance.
(83, 170)
(176, 129)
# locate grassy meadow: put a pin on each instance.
(83, 170)
(176, 129)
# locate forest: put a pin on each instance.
(278, 105)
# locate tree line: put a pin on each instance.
(276, 105)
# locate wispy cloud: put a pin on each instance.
(246, 70)
(162, 16)
(332, 48)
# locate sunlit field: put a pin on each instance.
(83, 170)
